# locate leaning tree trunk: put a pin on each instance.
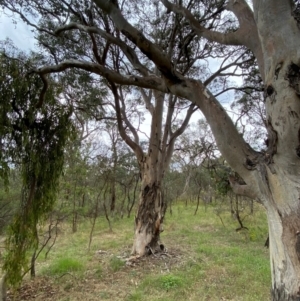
(279, 35)
(149, 218)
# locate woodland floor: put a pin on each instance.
(206, 259)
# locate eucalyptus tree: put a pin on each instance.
(269, 30)
(115, 54)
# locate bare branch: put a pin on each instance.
(219, 72)
(177, 133)
(233, 38)
(126, 120)
(246, 34)
(152, 51)
(147, 100)
(128, 51)
(244, 89)
(151, 82)
(134, 146)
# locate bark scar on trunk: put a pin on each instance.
(297, 245)
(293, 77)
(271, 141)
(298, 147)
(270, 92)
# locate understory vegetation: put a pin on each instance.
(206, 259)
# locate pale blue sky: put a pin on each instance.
(19, 33)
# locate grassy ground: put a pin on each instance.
(206, 260)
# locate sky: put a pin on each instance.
(23, 38)
(19, 32)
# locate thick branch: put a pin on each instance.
(128, 51)
(168, 128)
(147, 100)
(230, 143)
(152, 51)
(232, 38)
(244, 190)
(43, 92)
(246, 34)
(156, 127)
(151, 82)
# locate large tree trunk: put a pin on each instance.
(283, 211)
(284, 243)
(149, 218)
(279, 36)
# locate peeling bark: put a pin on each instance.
(149, 219)
(293, 77)
(284, 259)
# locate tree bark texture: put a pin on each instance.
(281, 187)
(149, 219)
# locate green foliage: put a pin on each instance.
(9, 197)
(64, 265)
(116, 263)
(135, 296)
(170, 281)
(33, 136)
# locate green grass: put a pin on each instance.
(170, 281)
(64, 265)
(220, 262)
(116, 263)
(207, 260)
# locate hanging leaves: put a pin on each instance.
(32, 138)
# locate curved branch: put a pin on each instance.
(244, 190)
(152, 51)
(147, 100)
(230, 143)
(134, 146)
(126, 120)
(177, 133)
(232, 38)
(244, 89)
(246, 35)
(128, 51)
(219, 72)
(151, 82)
